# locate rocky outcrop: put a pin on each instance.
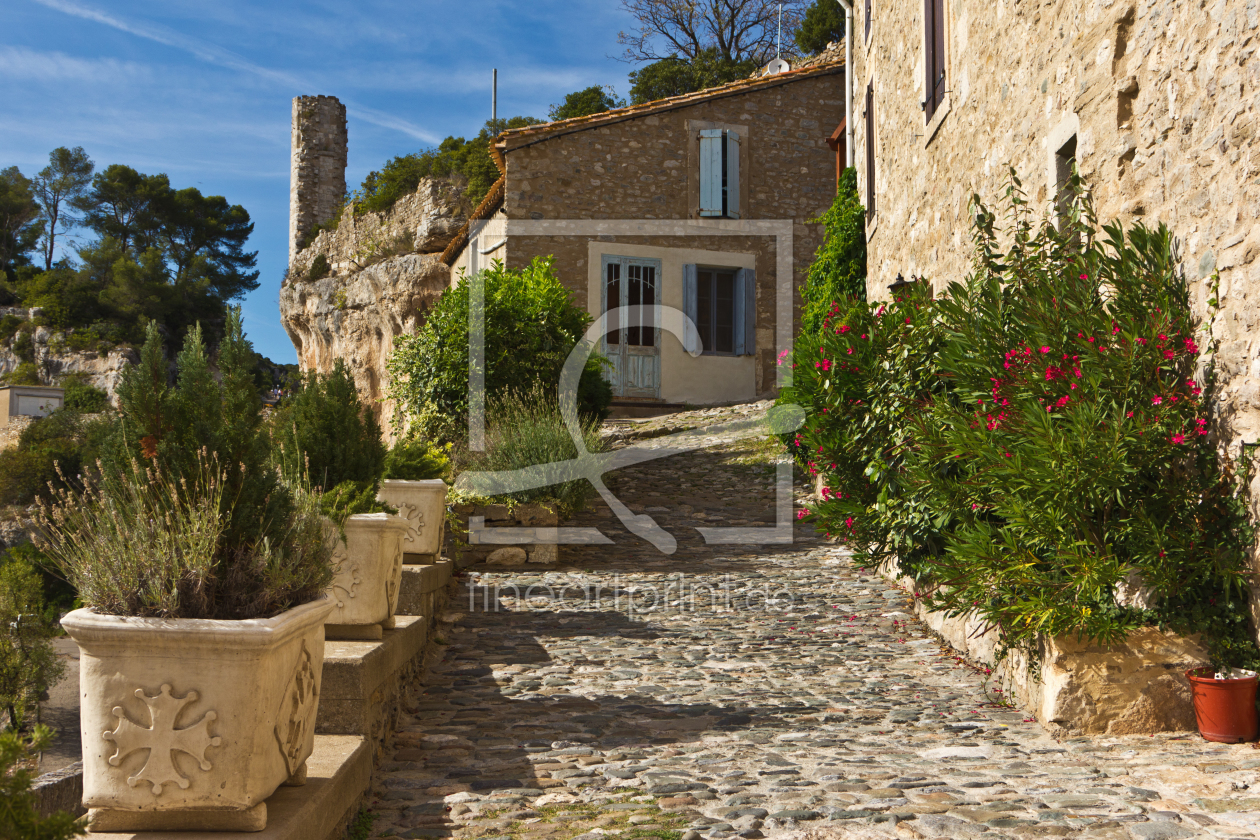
(382, 274)
(54, 360)
(356, 318)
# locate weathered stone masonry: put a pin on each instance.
(1161, 99)
(317, 176)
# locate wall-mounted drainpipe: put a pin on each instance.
(848, 81)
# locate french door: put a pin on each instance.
(633, 343)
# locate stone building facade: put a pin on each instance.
(317, 166)
(1156, 100)
(625, 191)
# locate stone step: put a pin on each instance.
(420, 588)
(339, 773)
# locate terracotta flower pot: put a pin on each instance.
(1225, 709)
(422, 504)
(190, 724)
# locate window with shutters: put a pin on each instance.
(722, 304)
(719, 173)
(934, 56)
(870, 150)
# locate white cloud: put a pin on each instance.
(22, 63)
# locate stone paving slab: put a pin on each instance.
(772, 690)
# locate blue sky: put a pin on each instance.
(201, 90)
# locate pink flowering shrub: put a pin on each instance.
(1047, 441)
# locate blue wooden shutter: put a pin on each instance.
(711, 172)
(746, 312)
(691, 309)
(732, 175)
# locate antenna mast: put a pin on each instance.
(778, 40)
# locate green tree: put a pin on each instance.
(531, 324)
(582, 103)
(839, 268)
(20, 225)
(454, 156)
(823, 23)
(125, 206)
(204, 240)
(19, 818)
(326, 430)
(61, 188)
(676, 75)
(29, 665)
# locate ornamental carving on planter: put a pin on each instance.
(297, 708)
(391, 582)
(415, 520)
(162, 739)
(356, 577)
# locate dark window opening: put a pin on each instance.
(715, 310)
(870, 150)
(934, 63)
(867, 19)
(612, 294)
(1064, 161)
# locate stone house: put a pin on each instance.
(702, 203)
(1155, 101)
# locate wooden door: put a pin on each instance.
(633, 344)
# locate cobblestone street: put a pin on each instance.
(771, 688)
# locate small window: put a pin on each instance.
(866, 19)
(1064, 160)
(870, 150)
(719, 173)
(934, 63)
(722, 304)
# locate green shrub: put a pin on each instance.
(352, 497)
(1053, 448)
(19, 817)
(9, 326)
(525, 431)
(83, 397)
(50, 451)
(417, 460)
(24, 345)
(28, 663)
(327, 433)
(83, 340)
(248, 543)
(319, 268)
(25, 373)
(531, 324)
(839, 268)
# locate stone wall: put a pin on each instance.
(317, 166)
(646, 168)
(54, 360)
(1161, 98)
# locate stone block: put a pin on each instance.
(339, 773)
(60, 790)
(364, 682)
(422, 587)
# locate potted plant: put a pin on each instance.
(366, 538)
(413, 484)
(1224, 703)
(204, 574)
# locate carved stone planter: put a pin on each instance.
(190, 724)
(369, 570)
(423, 505)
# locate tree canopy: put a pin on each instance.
(823, 23)
(737, 30)
(173, 256)
(583, 103)
(676, 75)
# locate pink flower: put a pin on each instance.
(1168, 354)
(1130, 414)
(1156, 400)
(844, 328)
(801, 514)
(1045, 349)
(1178, 438)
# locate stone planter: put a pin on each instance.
(422, 504)
(190, 724)
(369, 568)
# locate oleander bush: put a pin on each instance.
(1036, 444)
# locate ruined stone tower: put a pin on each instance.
(317, 179)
